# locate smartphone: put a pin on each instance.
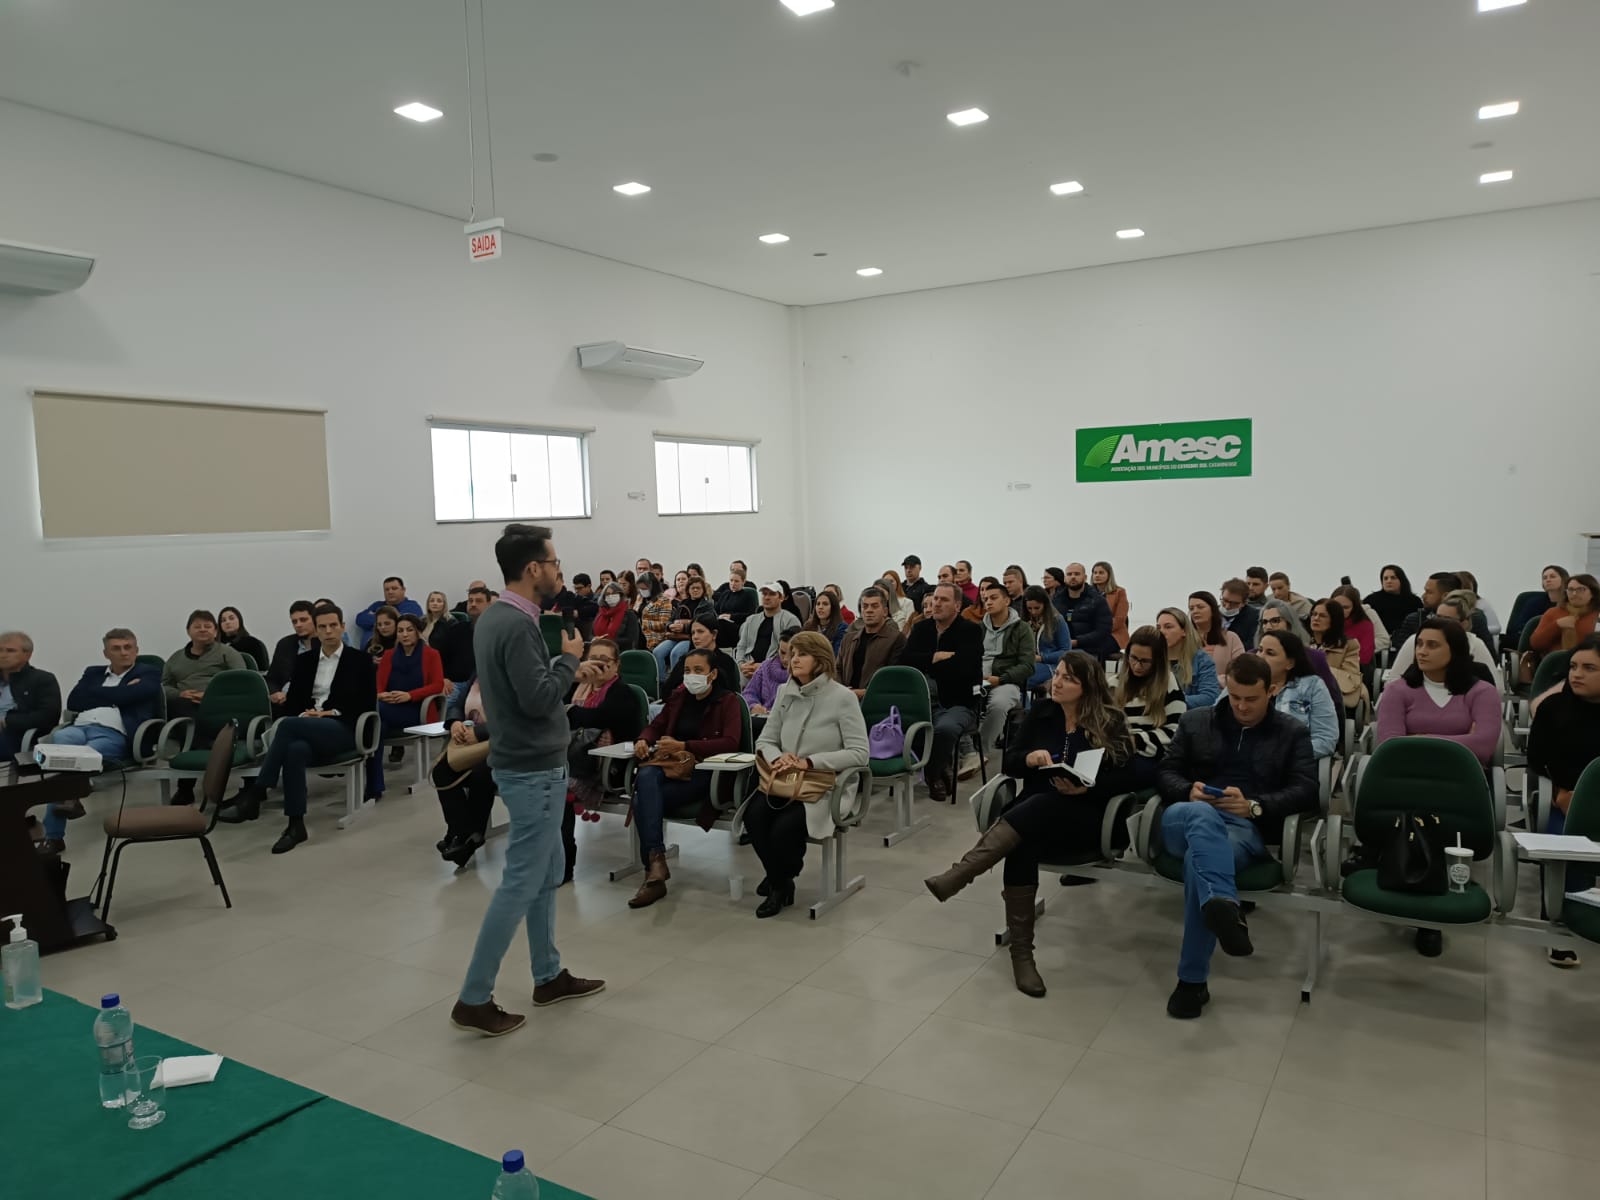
(569, 622)
(1214, 792)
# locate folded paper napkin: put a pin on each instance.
(181, 1072)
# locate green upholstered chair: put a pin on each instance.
(185, 742)
(904, 688)
(1583, 820)
(1430, 775)
(638, 669)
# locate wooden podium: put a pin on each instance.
(35, 886)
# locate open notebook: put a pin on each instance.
(1085, 769)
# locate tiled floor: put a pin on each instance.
(880, 1052)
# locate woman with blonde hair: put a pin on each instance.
(436, 617)
(1058, 816)
(815, 724)
(1104, 578)
(1192, 667)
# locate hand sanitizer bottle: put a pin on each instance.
(19, 963)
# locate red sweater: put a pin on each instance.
(432, 672)
(721, 728)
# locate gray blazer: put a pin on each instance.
(745, 651)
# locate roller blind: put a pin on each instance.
(113, 466)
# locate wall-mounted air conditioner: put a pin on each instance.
(621, 359)
(41, 271)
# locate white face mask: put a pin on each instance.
(697, 684)
(644, 593)
(613, 600)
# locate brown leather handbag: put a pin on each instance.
(794, 783)
(674, 764)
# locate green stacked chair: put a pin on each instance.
(904, 688)
(1583, 820)
(232, 696)
(1431, 776)
(638, 668)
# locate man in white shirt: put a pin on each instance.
(330, 690)
(111, 702)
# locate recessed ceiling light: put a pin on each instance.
(1507, 108)
(968, 116)
(773, 239)
(1070, 188)
(419, 112)
(1494, 177)
(1130, 233)
(804, 8)
(1494, 5)
(869, 272)
(632, 189)
(545, 157)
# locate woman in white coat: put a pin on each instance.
(815, 723)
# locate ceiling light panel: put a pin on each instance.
(1126, 234)
(773, 239)
(1070, 187)
(869, 272)
(419, 112)
(1506, 108)
(631, 189)
(804, 8)
(1496, 177)
(1495, 5)
(968, 116)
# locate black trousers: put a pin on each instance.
(1052, 827)
(778, 836)
(466, 806)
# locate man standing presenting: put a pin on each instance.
(526, 691)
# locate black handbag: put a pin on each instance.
(1412, 857)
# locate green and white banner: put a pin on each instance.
(1186, 449)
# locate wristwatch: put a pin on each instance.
(1255, 810)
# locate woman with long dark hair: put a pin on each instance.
(825, 619)
(1057, 816)
(1342, 651)
(1298, 690)
(231, 632)
(1440, 695)
(1049, 634)
(694, 600)
(1152, 702)
(1358, 622)
(1394, 600)
(1222, 644)
(384, 623)
(614, 619)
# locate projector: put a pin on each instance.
(67, 758)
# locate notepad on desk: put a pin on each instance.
(736, 756)
(1084, 769)
(1560, 846)
(1590, 897)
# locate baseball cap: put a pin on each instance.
(772, 587)
(911, 560)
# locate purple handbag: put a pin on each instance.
(887, 739)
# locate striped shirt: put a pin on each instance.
(1153, 732)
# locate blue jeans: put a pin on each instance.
(654, 796)
(1213, 845)
(110, 744)
(302, 742)
(666, 656)
(535, 862)
(396, 719)
(949, 726)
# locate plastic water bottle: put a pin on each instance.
(113, 1034)
(516, 1182)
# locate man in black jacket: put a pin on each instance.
(949, 651)
(734, 603)
(30, 699)
(1086, 613)
(1259, 763)
(915, 586)
(289, 649)
(455, 645)
(1439, 585)
(330, 689)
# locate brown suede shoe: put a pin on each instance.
(488, 1019)
(566, 986)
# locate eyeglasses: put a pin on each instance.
(555, 561)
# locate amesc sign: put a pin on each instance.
(1181, 448)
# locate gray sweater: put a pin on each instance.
(746, 650)
(185, 672)
(524, 691)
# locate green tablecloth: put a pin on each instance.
(49, 1068)
(333, 1150)
(246, 1135)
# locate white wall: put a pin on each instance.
(1422, 394)
(226, 282)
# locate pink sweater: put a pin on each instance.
(1472, 720)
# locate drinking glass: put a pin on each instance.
(143, 1091)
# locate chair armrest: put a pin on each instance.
(145, 744)
(1332, 853)
(1324, 782)
(255, 735)
(1504, 880)
(992, 799)
(29, 737)
(1117, 810)
(368, 730)
(433, 702)
(863, 778)
(1289, 850)
(915, 760)
(1352, 780)
(1318, 835)
(1150, 829)
(174, 727)
(1497, 793)
(1536, 810)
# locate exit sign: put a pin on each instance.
(485, 239)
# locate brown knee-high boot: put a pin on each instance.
(1000, 840)
(1019, 902)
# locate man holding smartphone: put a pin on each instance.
(525, 687)
(1232, 774)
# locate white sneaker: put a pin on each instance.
(970, 764)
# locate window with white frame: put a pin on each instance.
(507, 473)
(696, 476)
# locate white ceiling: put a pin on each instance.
(1209, 123)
